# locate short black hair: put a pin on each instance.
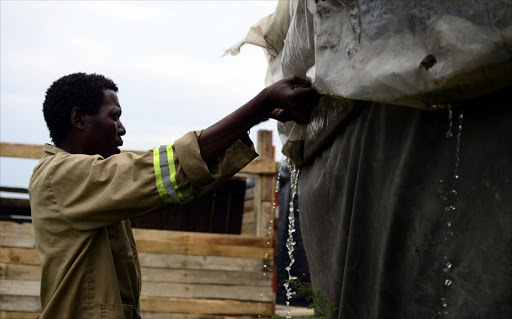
(82, 90)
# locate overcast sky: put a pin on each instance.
(165, 57)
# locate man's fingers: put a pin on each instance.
(285, 116)
(306, 97)
(298, 82)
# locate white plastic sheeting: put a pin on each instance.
(419, 53)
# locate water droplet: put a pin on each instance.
(261, 295)
(266, 255)
(449, 224)
(448, 282)
(445, 312)
(443, 197)
(264, 266)
(456, 176)
(450, 122)
(454, 192)
(268, 243)
(452, 207)
(447, 267)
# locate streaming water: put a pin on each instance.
(290, 243)
(449, 197)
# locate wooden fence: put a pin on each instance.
(184, 274)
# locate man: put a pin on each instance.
(83, 190)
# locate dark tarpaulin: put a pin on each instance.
(373, 217)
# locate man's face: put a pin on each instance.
(103, 131)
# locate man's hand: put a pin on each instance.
(291, 99)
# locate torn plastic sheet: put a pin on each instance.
(419, 53)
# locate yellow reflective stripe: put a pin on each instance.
(158, 176)
(166, 174)
(172, 170)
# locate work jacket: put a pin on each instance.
(80, 208)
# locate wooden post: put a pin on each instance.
(264, 186)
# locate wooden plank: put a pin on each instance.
(34, 151)
(160, 247)
(267, 188)
(178, 290)
(20, 272)
(19, 256)
(14, 202)
(29, 257)
(19, 315)
(16, 235)
(236, 278)
(248, 217)
(248, 205)
(264, 146)
(257, 204)
(268, 167)
(20, 303)
(170, 244)
(160, 289)
(178, 237)
(203, 262)
(21, 150)
(203, 306)
(266, 228)
(295, 312)
(20, 287)
(248, 228)
(249, 193)
(159, 315)
(26, 231)
(13, 190)
(158, 241)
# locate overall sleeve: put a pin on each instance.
(93, 192)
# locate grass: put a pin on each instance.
(323, 309)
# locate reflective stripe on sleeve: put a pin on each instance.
(172, 168)
(168, 172)
(161, 169)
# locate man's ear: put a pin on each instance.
(77, 118)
